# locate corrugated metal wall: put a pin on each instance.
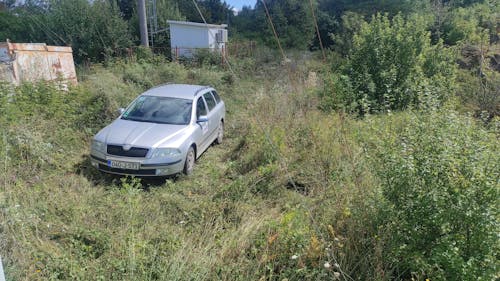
(36, 61)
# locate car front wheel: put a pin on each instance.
(189, 163)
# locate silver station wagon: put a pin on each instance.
(162, 132)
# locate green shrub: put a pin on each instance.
(139, 74)
(143, 54)
(392, 66)
(207, 57)
(289, 249)
(480, 95)
(439, 173)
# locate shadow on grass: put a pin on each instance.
(96, 177)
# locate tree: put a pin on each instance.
(292, 20)
(12, 27)
(127, 8)
(214, 11)
(339, 19)
(342, 40)
(370, 7)
(95, 29)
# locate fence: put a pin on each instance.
(197, 55)
(200, 55)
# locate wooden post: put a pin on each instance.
(222, 55)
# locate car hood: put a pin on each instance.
(140, 134)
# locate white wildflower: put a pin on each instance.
(327, 265)
(294, 257)
(336, 275)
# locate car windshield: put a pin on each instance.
(164, 110)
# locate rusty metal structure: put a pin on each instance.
(33, 62)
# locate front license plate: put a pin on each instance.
(124, 165)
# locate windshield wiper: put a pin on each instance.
(134, 119)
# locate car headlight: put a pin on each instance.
(166, 152)
(98, 146)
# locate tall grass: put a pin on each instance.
(293, 193)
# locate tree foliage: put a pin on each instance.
(94, 29)
(292, 20)
(214, 11)
(465, 25)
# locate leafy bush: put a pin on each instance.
(439, 173)
(392, 66)
(207, 57)
(290, 249)
(480, 94)
(342, 40)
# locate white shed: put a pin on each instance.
(187, 37)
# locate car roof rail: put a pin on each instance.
(202, 89)
(164, 84)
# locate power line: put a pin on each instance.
(213, 36)
(317, 30)
(283, 163)
(274, 30)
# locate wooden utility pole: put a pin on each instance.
(143, 25)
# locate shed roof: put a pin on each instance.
(196, 24)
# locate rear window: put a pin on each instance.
(216, 96)
(210, 100)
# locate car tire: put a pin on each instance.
(220, 133)
(189, 163)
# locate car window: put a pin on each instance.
(201, 109)
(216, 96)
(210, 100)
(163, 110)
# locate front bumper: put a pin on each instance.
(145, 170)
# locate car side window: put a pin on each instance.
(201, 109)
(216, 96)
(210, 100)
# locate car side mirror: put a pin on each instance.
(121, 110)
(202, 119)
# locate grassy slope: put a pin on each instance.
(288, 180)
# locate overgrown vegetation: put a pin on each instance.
(380, 163)
(392, 66)
(407, 195)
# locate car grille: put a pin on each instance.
(147, 172)
(133, 152)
